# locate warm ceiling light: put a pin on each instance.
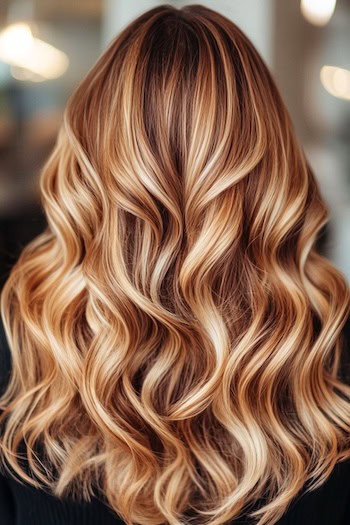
(318, 12)
(19, 48)
(336, 81)
(20, 73)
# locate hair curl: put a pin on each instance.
(175, 334)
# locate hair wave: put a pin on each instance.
(175, 334)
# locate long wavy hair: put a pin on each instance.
(176, 337)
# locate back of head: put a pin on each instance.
(175, 334)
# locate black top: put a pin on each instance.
(21, 504)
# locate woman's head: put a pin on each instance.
(175, 334)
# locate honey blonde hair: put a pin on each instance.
(175, 334)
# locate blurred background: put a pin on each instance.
(47, 46)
